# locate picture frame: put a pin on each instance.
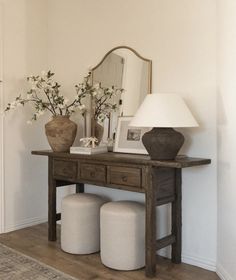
(129, 139)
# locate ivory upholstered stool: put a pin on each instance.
(123, 235)
(80, 223)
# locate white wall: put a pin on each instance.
(24, 53)
(180, 38)
(226, 140)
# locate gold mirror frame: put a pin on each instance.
(138, 55)
(149, 76)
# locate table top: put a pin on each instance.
(178, 162)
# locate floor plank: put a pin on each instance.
(33, 242)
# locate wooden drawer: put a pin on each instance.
(93, 172)
(129, 176)
(65, 169)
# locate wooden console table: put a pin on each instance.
(160, 181)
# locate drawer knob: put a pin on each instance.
(92, 174)
(124, 178)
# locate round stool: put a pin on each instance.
(123, 235)
(80, 223)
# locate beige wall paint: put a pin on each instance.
(180, 38)
(226, 140)
(24, 53)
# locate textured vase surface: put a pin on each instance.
(61, 132)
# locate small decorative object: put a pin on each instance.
(129, 139)
(88, 150)
(44, 95)
(89, 142)
(102, 103)
(162, 112)
(88, 147)
(110, 144)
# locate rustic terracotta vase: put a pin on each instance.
(98, 131)
(60, 132)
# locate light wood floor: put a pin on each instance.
(33, 242)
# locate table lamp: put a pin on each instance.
(163, 111)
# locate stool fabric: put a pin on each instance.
(123, 235)
(80, 223)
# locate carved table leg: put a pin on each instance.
(150, 197)
(79, 188)
(52, 188)
(177, 218)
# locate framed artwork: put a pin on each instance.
(128, 138)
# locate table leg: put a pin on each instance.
(150, 250)
(79, 188)
(52, 187)
(177, 218)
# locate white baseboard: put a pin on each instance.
(222, 273)
(193, 260)
(199, 261)
(25, 223)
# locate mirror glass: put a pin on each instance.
(122, 67)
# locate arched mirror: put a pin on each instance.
(122, 67)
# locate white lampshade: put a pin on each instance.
(163, 110)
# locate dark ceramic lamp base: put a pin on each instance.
(163, 143)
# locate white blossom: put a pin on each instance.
(83, 86)
(96, 86)
(13, 105)
(82, 107)
(34, 86)
(44, 74)
(40, 112)
(61, 106)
